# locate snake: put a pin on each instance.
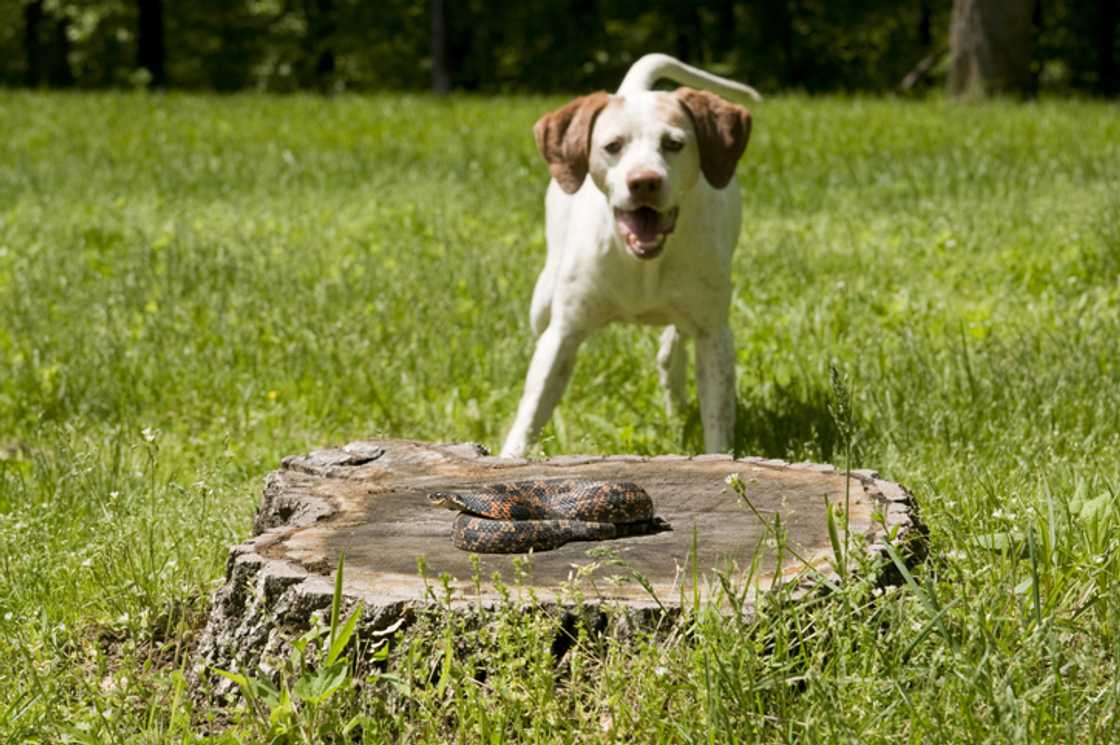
(519, 516)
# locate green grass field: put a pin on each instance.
(193, 287)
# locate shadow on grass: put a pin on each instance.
(794, 422)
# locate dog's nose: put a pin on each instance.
(644, 183)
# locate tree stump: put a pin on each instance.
(368, 500)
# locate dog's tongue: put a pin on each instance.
(644, 223)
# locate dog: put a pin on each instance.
(642, 215)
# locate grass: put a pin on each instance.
(193, 287)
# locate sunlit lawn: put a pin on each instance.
(193, 287)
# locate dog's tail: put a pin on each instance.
(649, 69)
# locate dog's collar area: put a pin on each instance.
(644, 229)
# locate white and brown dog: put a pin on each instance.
(647, 239)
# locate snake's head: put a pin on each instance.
(444, 499)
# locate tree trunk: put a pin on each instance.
(781, 21)
(925, 26)
(325, 65)
(725, 31)
(32, 49)
(990, 48)
(441, 77)
(318, 44)
(151, 54)
(690, 34)
(59, 74)
(930, 56)
(1107, 78)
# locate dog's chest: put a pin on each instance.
(655, 292)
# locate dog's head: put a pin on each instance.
(644, 152)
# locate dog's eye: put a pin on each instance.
(614, 147)
(672, 145)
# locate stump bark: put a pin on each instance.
(368, 500)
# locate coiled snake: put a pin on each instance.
(515, 517)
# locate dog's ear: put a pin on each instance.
(722, 132)
(564, 139)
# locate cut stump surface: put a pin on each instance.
(368, 500)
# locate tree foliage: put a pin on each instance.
(549, 45)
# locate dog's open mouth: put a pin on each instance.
(645, 229)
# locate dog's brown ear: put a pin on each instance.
(722, 131)
(564, 139)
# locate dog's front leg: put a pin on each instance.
(548, 376)
(715, 384)
(671, 370)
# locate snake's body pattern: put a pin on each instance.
(547, 513)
